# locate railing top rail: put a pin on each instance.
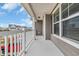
(11, 32)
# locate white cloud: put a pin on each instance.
(28, 16)
(4, 25)
(25, 22)
(21, 24)
(9, 6)
(20, 10)
(28, 22)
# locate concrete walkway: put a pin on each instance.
(43, 48)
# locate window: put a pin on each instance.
(64, 6)
(56, 16)
(64, 10)
(65, 13)
(71, 28)
(74, 8)
(70, 25)
(70, 3)
(56, 19)
(56, 28)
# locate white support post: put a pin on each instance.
(52, 24)
(14, 44)
(11, 50)
(6, 46)
(44, 27)
(60, 23)
(33, 27)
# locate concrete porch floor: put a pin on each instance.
(43, 48)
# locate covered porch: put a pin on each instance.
(42, 30)
(46, 37)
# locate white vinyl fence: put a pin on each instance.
(12, 43)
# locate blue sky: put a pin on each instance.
(14, 14)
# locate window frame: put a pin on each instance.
(57, 22)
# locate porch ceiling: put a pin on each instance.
(39, 9)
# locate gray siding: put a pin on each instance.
(66, 48)
(48, 26)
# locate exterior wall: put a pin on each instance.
(66, 48)
(39, 30)
(38, 26)
(39, 37)
(44, 27)
(48, 26)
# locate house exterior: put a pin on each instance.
(57, 22)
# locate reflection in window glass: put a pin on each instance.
(74, 8)
(56, 28)
(56, 16)
(65, 13)
(70, 4)
(63, 6)
(64, 10)
(71, 28)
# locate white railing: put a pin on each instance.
(12, 43)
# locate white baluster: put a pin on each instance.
(6, 46)
(11, 50)
(18, 43)
(15, 44)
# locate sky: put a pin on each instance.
(13, 13)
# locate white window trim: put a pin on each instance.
(56, 9)
(60, 23)
(71, 16)
(56, 22)
(59, 15)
